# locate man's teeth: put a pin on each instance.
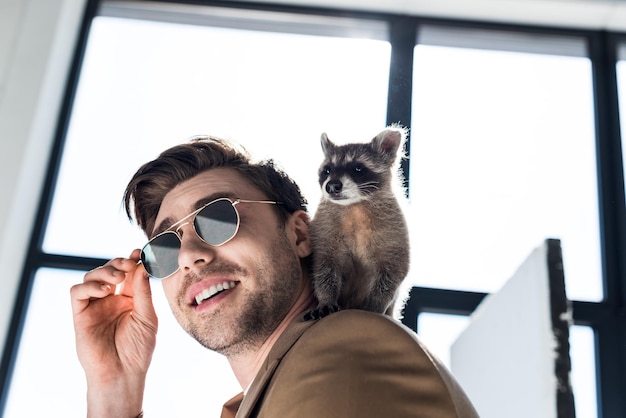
(213, 290)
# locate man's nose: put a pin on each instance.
(194, 253)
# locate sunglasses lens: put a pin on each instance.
(160, 255)
(217, 223)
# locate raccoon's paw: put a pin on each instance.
(321, 312)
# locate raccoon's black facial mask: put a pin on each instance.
(348, 183)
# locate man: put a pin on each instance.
(230, 240)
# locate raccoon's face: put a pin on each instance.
(346, 179)
(354, 172)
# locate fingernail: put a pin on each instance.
(105, 287)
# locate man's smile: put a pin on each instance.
(213, 290)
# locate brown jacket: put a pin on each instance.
(351, 364)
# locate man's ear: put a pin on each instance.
(299, 233)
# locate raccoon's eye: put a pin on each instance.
(358, 168)
(327, 169)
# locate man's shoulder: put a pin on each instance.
(356, 327)
(362, 321)
(351, 360)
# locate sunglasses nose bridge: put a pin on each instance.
(194, 251)
(180, 226)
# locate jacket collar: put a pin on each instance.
(286, 340)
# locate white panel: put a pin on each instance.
(506, 358)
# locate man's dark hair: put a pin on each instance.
(150, 184)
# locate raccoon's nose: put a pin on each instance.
(334, 187)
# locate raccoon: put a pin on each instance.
(359, 234)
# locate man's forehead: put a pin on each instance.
(205, 184)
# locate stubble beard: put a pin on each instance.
(277, 286)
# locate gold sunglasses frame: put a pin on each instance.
(175, 227)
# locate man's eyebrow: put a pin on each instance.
(167, 223)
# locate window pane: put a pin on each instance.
(439, 331)
(502, 157)
(582, 354)
(46, 363)
(147, 85)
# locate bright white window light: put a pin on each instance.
(502, 158)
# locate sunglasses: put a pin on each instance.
(215, 223)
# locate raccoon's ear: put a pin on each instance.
(327, 145)
(388, 142)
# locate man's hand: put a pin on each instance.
(115, 325)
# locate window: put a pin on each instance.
(502, 157)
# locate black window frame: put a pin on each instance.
(607, 318)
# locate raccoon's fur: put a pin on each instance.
(359, 233)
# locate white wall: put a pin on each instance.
(37, 39)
